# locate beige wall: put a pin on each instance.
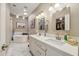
(74, 18)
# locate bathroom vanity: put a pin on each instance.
(49, 46)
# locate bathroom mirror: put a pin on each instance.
(60, 23)
(43, 24)
(63, 23)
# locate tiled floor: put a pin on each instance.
(18, 48)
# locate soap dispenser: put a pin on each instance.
(65, 37)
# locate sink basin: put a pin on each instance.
(54, 41)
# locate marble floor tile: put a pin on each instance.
(19, 47)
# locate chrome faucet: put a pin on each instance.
(45, 34)
(58, 37)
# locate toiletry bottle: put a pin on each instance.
(65, 37)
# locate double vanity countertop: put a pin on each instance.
(61, 45)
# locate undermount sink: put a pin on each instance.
(54, 41)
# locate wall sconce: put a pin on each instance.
(17, 16)
(50, 8)
(25, 13)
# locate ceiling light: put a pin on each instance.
(60, 18)
(57, 5)
(17, 16)
(25, 13)
(25, 10)
(42, 14)
(37, 17)
(50, 8)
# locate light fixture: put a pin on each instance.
(60, 18)
(17, 16)
(25, 13)
(42, 14)
(37, 17)
(50, 8)
(57, 5)
(24, 9)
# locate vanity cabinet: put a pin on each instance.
(39, 48)
(36, 47)
(52, 51)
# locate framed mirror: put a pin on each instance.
(63, 23)
(42, 24)
(60, 23)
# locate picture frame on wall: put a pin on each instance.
(32, 25)
(20, 25)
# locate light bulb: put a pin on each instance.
(24, 9)
(42, 14)
(17, 16)
(60, 18)
(50, 8)
(25, 13)
(37, 17)
(57, 5)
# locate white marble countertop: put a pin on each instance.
(72, 50)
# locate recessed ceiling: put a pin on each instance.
(18, 8)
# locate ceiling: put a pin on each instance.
(18, 8)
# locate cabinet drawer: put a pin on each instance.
(36, 50)
(41, 45)
(31, 39)
(37, 47)
(41, 52)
